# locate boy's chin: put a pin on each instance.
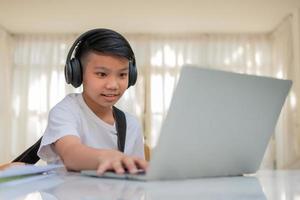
(107, 104)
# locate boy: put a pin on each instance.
(81, 131)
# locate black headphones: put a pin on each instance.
(73, 68)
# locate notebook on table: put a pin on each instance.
(24, 171)
(219, 124)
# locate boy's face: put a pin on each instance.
(105, 79)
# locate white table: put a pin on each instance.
(284, 185)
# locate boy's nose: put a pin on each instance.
(112, 83)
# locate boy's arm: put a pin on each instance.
(7, 165)
(77, 156)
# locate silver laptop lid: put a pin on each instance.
(218, 124)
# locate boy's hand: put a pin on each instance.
(119, 162)
(8, 165)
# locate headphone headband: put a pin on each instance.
(81, 37)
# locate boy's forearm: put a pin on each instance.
(80, 157)
(7, 165)
(77, 156)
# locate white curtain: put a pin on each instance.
(287, 138)
(38, 80)
(38, 84)
(5, 92)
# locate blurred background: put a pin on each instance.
(260, 37)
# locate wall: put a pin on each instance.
(296, 49)
(5, 92)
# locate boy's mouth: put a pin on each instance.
(110, 97)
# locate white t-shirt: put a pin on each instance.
(72, 116)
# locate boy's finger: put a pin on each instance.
(130, 165)
(141, 163)
(103, 166)
(118, 167)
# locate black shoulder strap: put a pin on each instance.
(120, 119)
(30, 155)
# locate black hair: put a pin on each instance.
(104, 41)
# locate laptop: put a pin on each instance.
(219, 124)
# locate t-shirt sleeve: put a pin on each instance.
(62, 121)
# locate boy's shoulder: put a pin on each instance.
(69, 102)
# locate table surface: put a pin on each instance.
(284, 185)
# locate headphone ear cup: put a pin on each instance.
(76, 72)
(132, 75)
(68, 72)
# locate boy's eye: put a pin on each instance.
(101, 74)
(123, 75)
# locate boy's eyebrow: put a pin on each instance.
(107, 68)
(101, 67)
(125, 68)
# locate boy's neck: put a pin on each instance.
(104, 113)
